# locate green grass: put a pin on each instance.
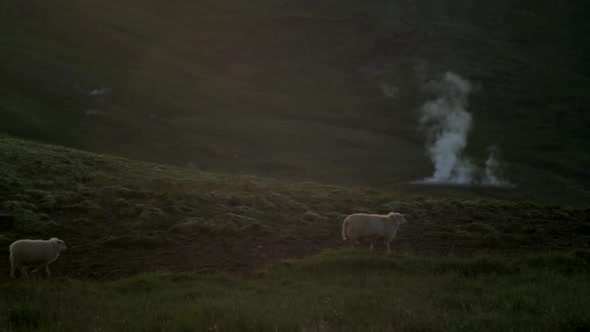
(95, 201)
(156, 247)
(338, 290)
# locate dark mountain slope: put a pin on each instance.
(295, 88)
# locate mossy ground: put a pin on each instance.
(161, 248)
(122, 217)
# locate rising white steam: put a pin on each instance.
(389, 91)
(492, 173)
(447, 123)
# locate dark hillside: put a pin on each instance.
(121, 217)
(299, 89)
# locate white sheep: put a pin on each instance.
(362, 227)
(27, 252)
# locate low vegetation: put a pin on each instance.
(157, 247)
(334, 291)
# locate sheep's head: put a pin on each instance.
(400, 218)
(59, 244)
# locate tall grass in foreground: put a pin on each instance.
(335, 291)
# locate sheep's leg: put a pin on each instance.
(12, 268)
(388, 247)
(46, 266)
(23, 271)
(371, 246)
(38, 268)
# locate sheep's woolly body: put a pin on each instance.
(362, 227)
(41, 252)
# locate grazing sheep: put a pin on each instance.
(362, 227)
(42, 252)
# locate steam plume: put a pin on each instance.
(447, 123)
(493, 168)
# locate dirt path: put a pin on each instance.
(243, 254)
(231, 255)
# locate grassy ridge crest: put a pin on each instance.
(238, 222)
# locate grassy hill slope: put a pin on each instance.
(159, 247)
(122, 217)
(293, 89)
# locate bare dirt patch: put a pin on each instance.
(243, 254)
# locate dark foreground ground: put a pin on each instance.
(244, 253)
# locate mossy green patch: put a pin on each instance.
(336, 290)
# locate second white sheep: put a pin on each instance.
(363, 227)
